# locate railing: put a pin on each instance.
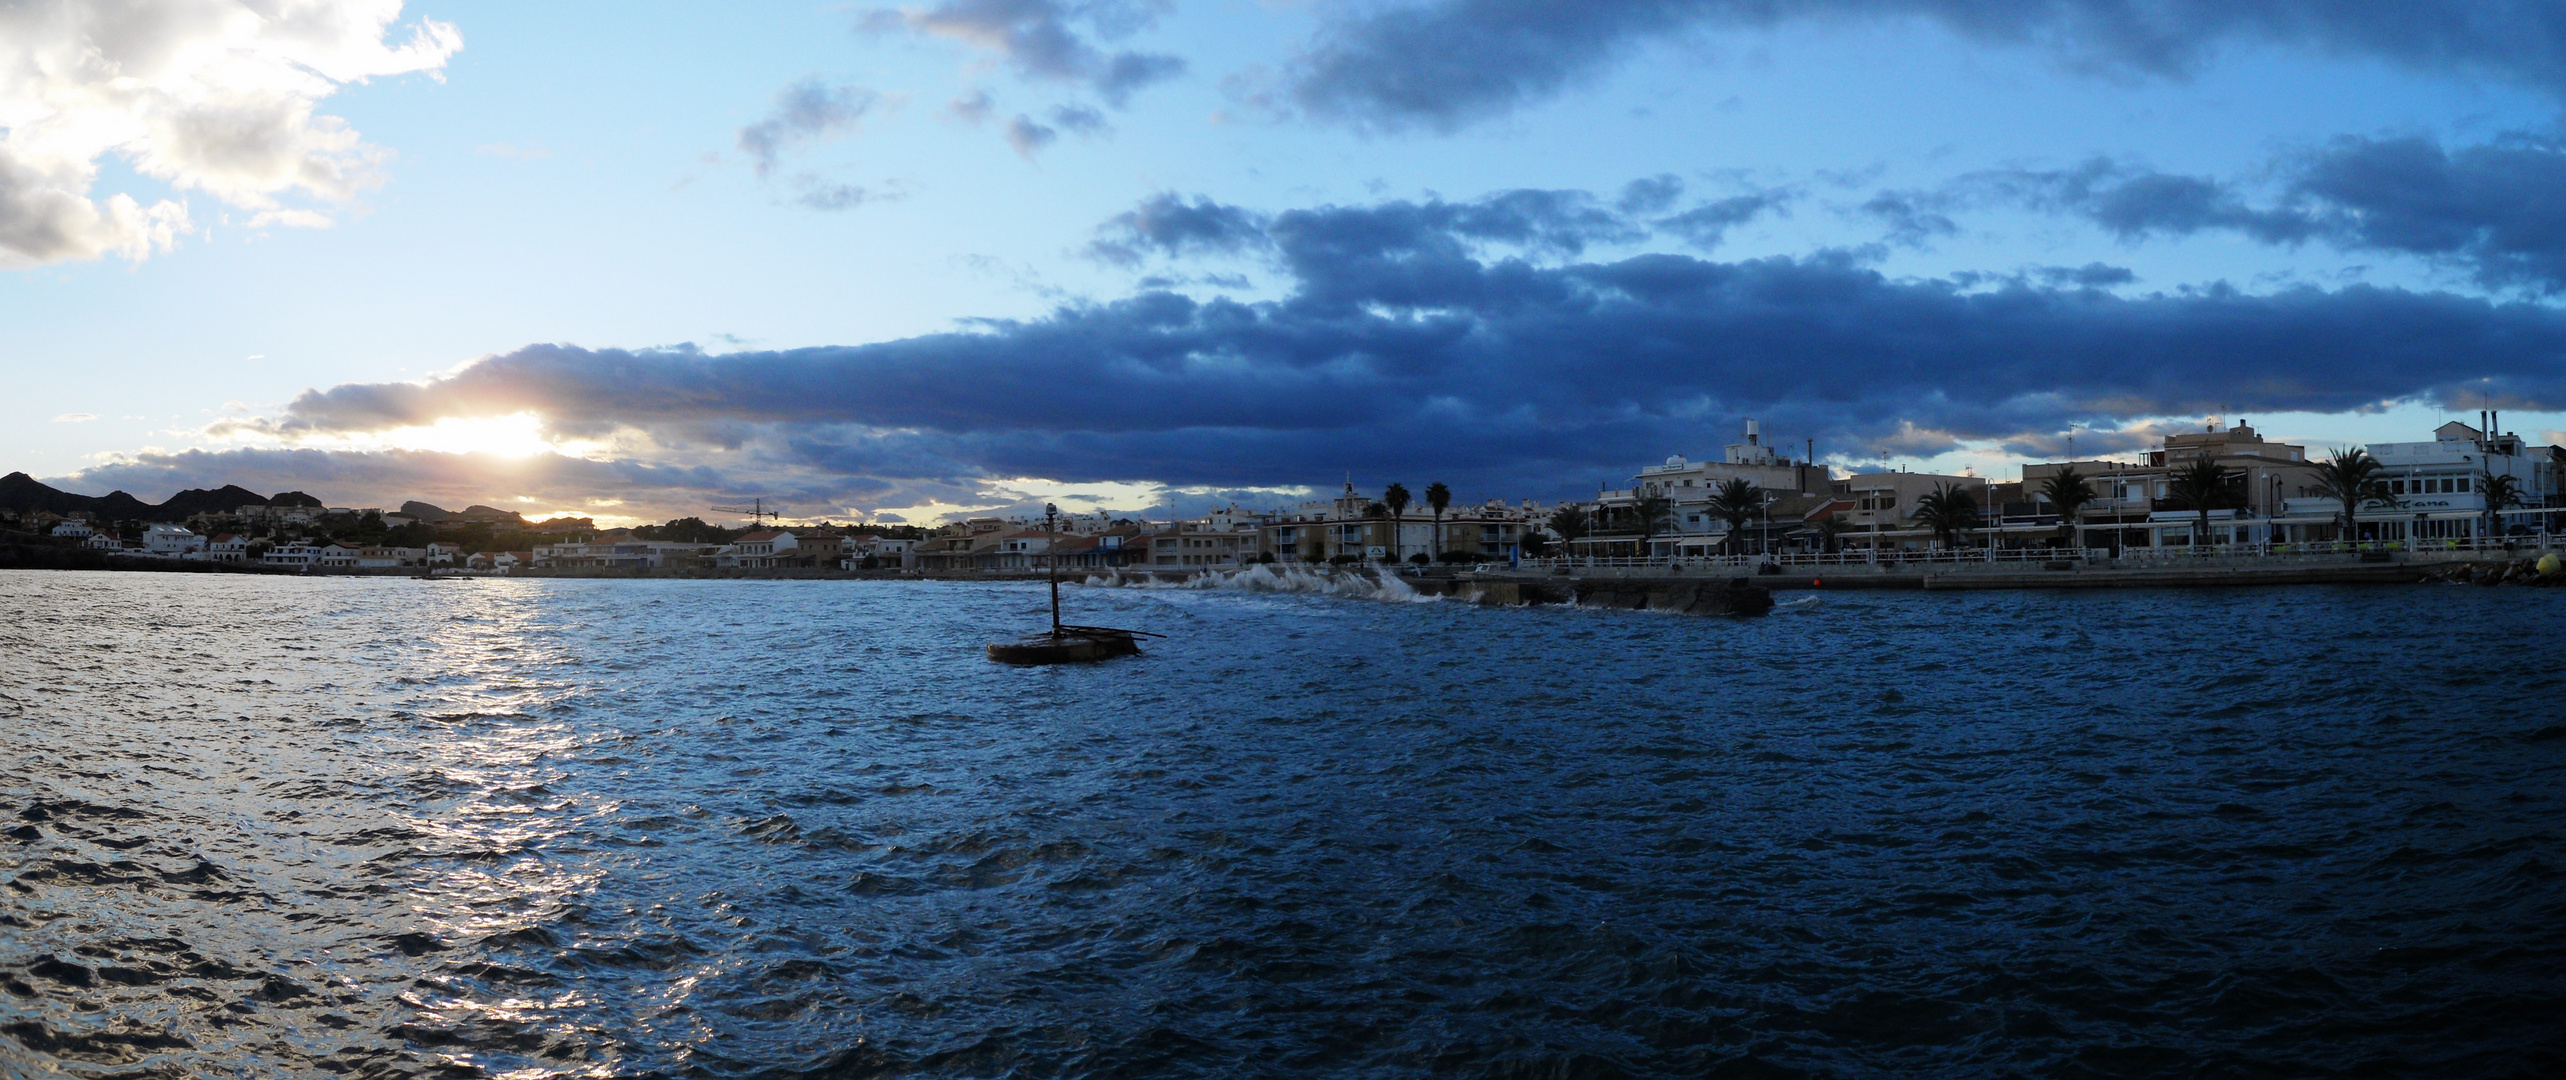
(1955, 557)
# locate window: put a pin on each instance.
(2396, 487)
(2464, 485)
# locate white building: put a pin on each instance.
(292, 553)
(2439, 488)
(171, 541)
(1687, 486)
(72, 530)
(227, 548)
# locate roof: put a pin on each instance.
(763, 535)
(1806, 506)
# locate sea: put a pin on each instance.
(369, 827)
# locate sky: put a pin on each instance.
(634, 260)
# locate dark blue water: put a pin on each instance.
(275, 827)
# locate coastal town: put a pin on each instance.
(2222, 487)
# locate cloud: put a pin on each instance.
(1028, 137)
(75, 418)
(972, 108)
(1444, 64)
(217, 96)
(1167, 225)
(1043, 39)
(1079, 119)
(1650, 194)
(808, 109)
(1705, 226)
(2491, 210)
(1416, 341)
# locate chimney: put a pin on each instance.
(1751, 432)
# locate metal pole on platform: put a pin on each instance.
(1051, 549)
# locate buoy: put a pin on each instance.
(2548, 565)
(1816, 582)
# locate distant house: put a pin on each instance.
(103, 541)
(444, 553)
(72, 530)
(171, 541)
(382, 557)
(338, 554)
(781, 547)
(292, 553)
(227, 548)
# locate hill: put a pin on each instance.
(25, 494)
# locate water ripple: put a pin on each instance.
(766, 829)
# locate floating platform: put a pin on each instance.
(1068, 645)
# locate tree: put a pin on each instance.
(1375, 511)
(2202, 486)
(1533, 544)
(1572, 523)
(1397, 500)
(1647, 514)
(2501, 492)
(2069, 491)
(1829, 529)
(1736, 501)
(2350, 476)
(1948, 511)
(1440, 498)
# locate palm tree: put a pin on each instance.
(2501, 492)
(1828, 529)
(1649, 513)
(1948, 511)
(1440, 498)
(1397, 500)
(2069, 491)
(2201, 487)
(2350, 476)
(1736, 501)
(1375, 510)
(1571, 523)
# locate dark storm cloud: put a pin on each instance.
(1442, 64)
(1044, 38)
(1409, 344)
(809, 109)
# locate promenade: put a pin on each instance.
(2037, 568)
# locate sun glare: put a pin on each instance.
(517, 435)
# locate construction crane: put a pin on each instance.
(757, 512)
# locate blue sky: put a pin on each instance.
(719, 251)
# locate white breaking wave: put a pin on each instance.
(1281, 578)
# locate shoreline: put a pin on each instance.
(2207, 572)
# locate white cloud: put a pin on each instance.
(216, 96)
(75, 418)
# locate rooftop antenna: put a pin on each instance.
(756, 510)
